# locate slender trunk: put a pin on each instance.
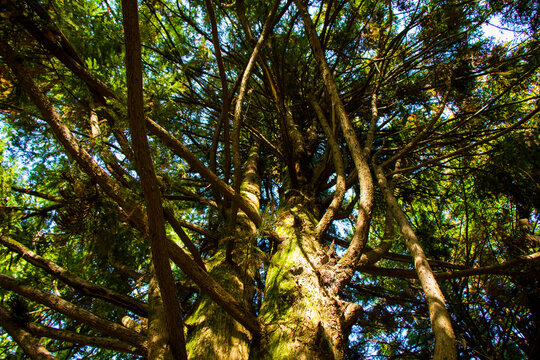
(158, 337)
(445, 340)
(149, 183)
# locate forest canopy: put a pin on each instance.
(342, 179)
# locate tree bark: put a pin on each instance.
(150, 185)
(345, 268)
(445, 340)
(302, 318)
(214, 334)
(158, 336)
(23, 338)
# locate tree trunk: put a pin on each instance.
(212, 333)
(302, 320)
(158, 337)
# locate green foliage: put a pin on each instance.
(465, 184)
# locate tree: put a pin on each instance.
(321, 180)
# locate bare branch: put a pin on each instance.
(85, 287)
(22, 337)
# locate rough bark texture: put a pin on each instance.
(212, 333)
(301, 317)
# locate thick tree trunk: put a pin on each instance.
(302, 320)
(212, 333)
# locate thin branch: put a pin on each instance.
(182, 151)
(37, 194)
(74, 312)
(471, 146)
(337, 158)
(177, 227)
(83, 286)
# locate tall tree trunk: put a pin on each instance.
(301, 318)
(212, 333)
(158, 337)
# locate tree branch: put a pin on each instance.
(79, 339)
(214, 290)
(445, 341)
(22, 337)
(74, 312)
(182, 151)
(339, 192)
(83, 286)
(347, 263)
(37, 194)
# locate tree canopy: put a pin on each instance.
(333, 179)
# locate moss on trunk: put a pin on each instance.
(212, 333)
(302, 320)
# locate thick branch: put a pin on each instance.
(237, 161)
(353, 253)
(60, 130)
(79, 339)
(64, 136)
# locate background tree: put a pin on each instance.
(321, 180)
